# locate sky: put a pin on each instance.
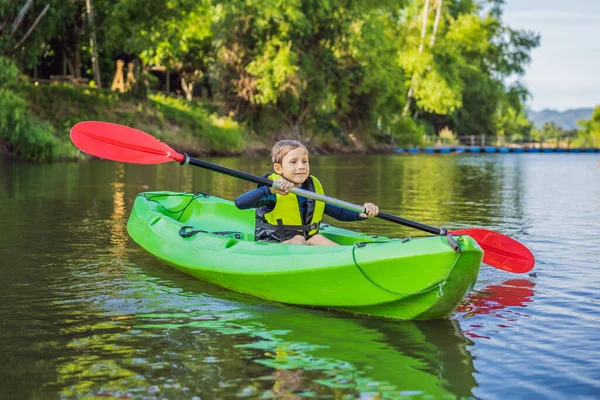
(564, 72)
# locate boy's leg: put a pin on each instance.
(298, 239)
(320, 240)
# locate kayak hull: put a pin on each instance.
(211, 240)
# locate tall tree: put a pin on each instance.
(93, 42)
(415, 76)
(461, 80)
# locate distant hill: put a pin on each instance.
(565, 119)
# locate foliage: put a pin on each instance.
(162, 33)
(589, 135)
(461, 70)
(308, 61)
(57, 108)
(170, 119)
(554, 135)
(26, 136)
(376, 69)
(407, 132)
(220, 134)
(511, 120)
(64, 106)
(16, 19)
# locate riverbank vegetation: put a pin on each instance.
(340, 75)
(35, 121)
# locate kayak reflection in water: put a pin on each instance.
(354, 355)
(283, 217)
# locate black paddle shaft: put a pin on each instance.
(412, 224)
(305, 193)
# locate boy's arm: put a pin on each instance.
(255, 198)
(341, 214)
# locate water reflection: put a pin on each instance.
(301, 351)
(500, 300)
(118, 228)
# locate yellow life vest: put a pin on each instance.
(287, 215)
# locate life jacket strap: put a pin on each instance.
(281, 228)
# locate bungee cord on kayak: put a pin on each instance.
(440, 285)
(180, 212)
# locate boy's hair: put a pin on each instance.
(283, 147)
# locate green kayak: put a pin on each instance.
(209, 238)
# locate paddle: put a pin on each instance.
(121, 143)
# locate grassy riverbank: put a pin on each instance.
(36, 126)
(188, 127)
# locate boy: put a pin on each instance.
(282, 216)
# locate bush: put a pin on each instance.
(9, 75)
(26, 136)
(407, 132)
(63, 106)
(221, 134)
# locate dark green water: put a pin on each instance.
(86, 313)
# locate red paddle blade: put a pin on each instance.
(500, 251)
(121, 143)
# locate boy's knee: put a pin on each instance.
(320, 240)
(298, 239)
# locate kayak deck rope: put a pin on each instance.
(181, 211)
(184, 233)
(438, 285)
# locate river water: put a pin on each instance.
(86, 313)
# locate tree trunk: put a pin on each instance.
(296, 131)
(64, 58)
(295, 122)
(411, 90)
(436, 23)
(93, 43)
(76, 61)
(424, 27)
(32, 27)
(20, 17)
(187, 88)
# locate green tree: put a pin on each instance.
(461, 73)
(307, 60)
(507, 55)
(176, 35)
(589, 135)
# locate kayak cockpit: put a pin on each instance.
(205, 213)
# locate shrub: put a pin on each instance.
(26, 136)
(221, 134)
(407, 132)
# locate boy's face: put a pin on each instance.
(294, 166)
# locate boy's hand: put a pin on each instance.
(284, 187)
(371, 210)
